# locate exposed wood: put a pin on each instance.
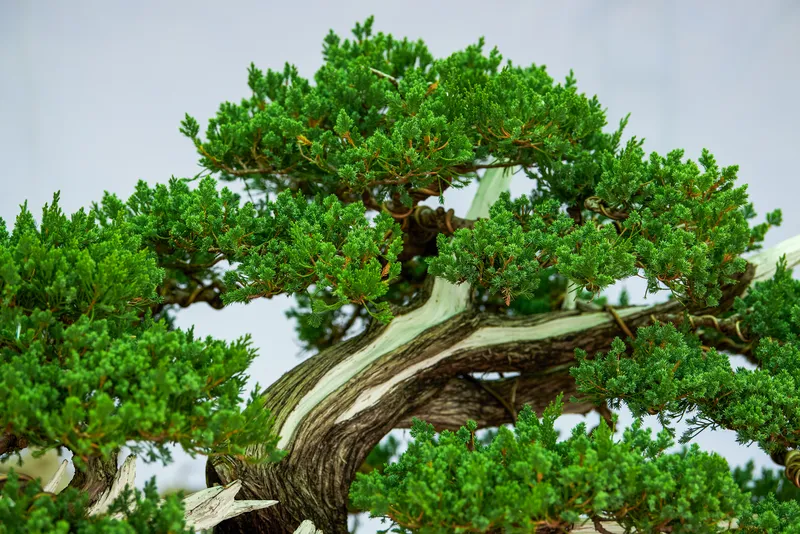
(203, 509)
(307, 527)
(124, 477)
(55, 481)
(97, 478)
(209, 507)
(571, 297)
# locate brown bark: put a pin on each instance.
(96, 477)
(9, 443)
(422, 226)
(313, 480)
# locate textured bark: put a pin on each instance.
(425, 377)
(9, 443)
(96, 477)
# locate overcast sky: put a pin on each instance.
(92, 93)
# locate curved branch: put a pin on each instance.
(459, 399)
(184, 297)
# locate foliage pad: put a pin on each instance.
(525, 479)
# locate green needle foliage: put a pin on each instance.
(770, 483)
(85, 367)
(681, 227)
(285, 246)
(668, 372)
(526, 479)
(772, 308)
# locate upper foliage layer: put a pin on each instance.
(384, 120)
(84, 366)
(384, 116)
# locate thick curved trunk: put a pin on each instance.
(335, 407)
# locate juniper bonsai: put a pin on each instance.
(405, 308)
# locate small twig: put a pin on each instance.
(511, 410)
(619, 321)
(598, 525)
(394, 214)
(386, 76)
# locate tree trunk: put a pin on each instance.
(96, 477)
(334, 408)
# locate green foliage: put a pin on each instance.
(667, 372)
(686, 225)
(384, 119)
(525, 478)
(772, 307)
(383, 114)
(24, 507)
(84, 366)
(770, 515)
(285, 246)
(682, 227)
(758, 231)
(504, 253)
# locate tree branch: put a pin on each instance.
(459, 400)
(10, 443)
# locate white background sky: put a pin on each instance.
(92, 93)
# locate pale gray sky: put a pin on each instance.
(92, 94)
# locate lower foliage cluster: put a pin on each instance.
(519, 480)
(524, 480)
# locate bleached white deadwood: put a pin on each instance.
(209, 507)
(571, 297)
(614, 528)
(125, 476)
(203, 509)
(307, 527)
(52, 486)
(767, 260)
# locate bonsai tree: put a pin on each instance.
(406, 308)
